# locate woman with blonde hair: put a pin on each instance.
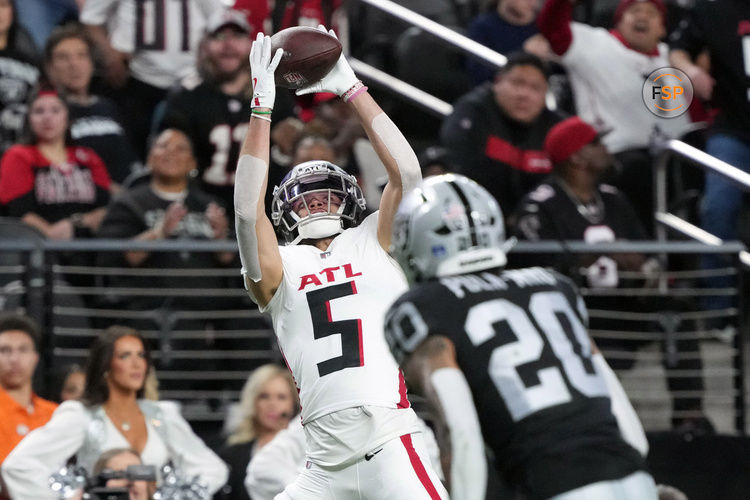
(267, 403)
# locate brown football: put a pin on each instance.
(309, 54)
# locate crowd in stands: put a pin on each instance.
(121, 121)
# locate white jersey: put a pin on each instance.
(328, 317)
(161, 35)
(607, 80)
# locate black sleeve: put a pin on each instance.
(463, 134)
(18, 207)
(689, 35)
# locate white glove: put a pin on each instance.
(262, 68)
(340, 79)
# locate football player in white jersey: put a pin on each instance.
(327, 291)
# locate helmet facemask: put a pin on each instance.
(315, 188)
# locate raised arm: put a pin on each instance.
(432, 370)
(554, 23)
(259, 248)
(399, 159)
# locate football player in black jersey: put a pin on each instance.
(506, 352)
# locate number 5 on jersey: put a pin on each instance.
(350, 330)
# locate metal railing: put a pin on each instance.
(206, 352)
(668, 149)
(442, 34)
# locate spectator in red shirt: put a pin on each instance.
(60, 190)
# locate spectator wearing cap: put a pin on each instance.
(573, 200)
(146, 51)
(214, 111)
(607, 70)
(496, 131)
(20, 409)
(573, 204)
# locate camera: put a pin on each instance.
(132, 473)
(100, 493)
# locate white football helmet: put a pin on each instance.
(332, 184)
(449, 225)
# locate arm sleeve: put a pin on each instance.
(468, 465)
(39, 454)
(627, 420)
(190, 453)
(97, 12)
(277, 464)
(554, 23)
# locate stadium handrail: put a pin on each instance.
(121, 245)
(423, 100)
(665, 150)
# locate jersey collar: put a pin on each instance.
(618, 35)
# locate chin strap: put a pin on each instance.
(318, 228)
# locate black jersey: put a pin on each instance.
(504, 156)
(521, 342)
(551, 212)
(723, 28)
(216, 124)
(99, 126)
(139, 209)
(18, 77)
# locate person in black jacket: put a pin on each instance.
(573, 204)
(268, 403)
(497, 131)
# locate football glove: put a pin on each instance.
(262, 67)
(340, 79)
